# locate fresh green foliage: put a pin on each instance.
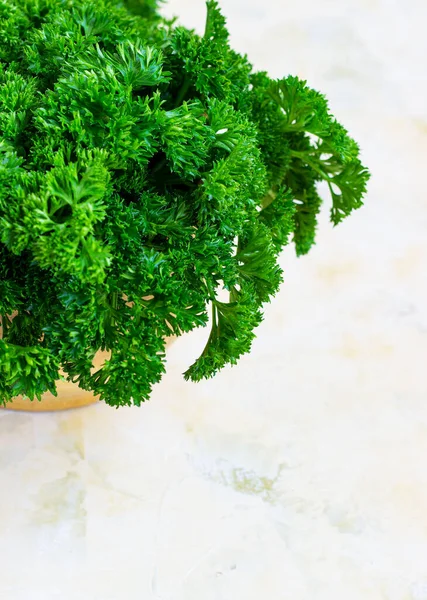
(143, 170)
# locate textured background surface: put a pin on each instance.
(302, 473)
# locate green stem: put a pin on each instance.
(323, 175)
(213, 331)
(270, 196)
(115, 300)
(303, 158)
(183, 91)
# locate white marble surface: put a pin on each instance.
(302, 473)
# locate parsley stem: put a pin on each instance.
(268, 199)
(303, 158)
(183, 91)
(318, 170)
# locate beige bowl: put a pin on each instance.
(69, 394)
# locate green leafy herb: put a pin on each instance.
(144, 169)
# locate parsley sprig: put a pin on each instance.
(143, 169)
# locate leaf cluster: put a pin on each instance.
(144, 169)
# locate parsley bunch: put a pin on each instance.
(144, 168)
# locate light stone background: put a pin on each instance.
(302, 473)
